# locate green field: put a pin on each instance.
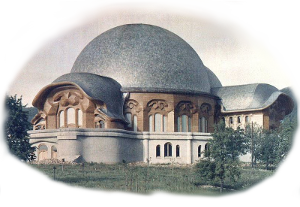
(146, 179)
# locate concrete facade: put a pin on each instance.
(116, 145)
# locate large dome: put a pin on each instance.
(146, 58)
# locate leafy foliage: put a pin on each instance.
(223, 157)
(16, 128)
(270, 147)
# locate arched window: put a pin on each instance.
(159, 124)
(168, 149)
(71, 116)
(79, 114)
(61, 119)
(53, 152)
(199, 151)
(184, 119)
(42, 152)
(150, 123)
(135, 123)
(101, 124)
(184, 123)
(177, 151)
(239, 119)
(206, 147)
(230, 120)
(203, 125)
(247, 119)
(128, 117)
(158, 151)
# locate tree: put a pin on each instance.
(253, 133)
(16, 128)
(223, 157)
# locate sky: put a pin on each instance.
(229, 52)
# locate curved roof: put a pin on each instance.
(148, 58)
(95, 87)
(249, 97)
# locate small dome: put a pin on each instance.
(146, 58)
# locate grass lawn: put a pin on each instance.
(144, 179)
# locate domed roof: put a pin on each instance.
(146, 58)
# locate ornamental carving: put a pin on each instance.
(186, 106)
(157, 105)
(205, 108)
(67, 98)
(132, 106)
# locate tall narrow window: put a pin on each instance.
(157, 122)
(178, 124)
(239, 119)
(61, 119)
(53, 152)
(42, 152)
(101, 124)
(247, 119)
(158, 151)
(199, 151)
(168, 149)
(230, 120)
(128, 117)
(206, 150)
(135, 123)
(189, 124)
(203, 124)
(150, 123)
(184, 119)
(70, 116)
(165, 123)
(177, 151)
(79, 118)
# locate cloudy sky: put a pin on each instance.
(228, 51)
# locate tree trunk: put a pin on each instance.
(222, 184)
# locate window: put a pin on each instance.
(247, 119)
(61, 119)
(184, 123)
(158, 151)
(157, 122)
(160, 123)
(168, 149)
(206, 150)
(177, 151)
(199, 151)
(53, 152)
(101, 124)
(150, 123)
(165, 123)
(230, 120)
(79, 113)
(135, 123)
(239, 119)
(203, 124)
(128, 117)
(70, 116)
(42, 152)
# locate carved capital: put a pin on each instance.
(132, 105)
(186, 106)
(157, 105)
(205, 108)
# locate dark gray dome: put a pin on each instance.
(147, 58)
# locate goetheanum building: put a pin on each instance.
(140, 93)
